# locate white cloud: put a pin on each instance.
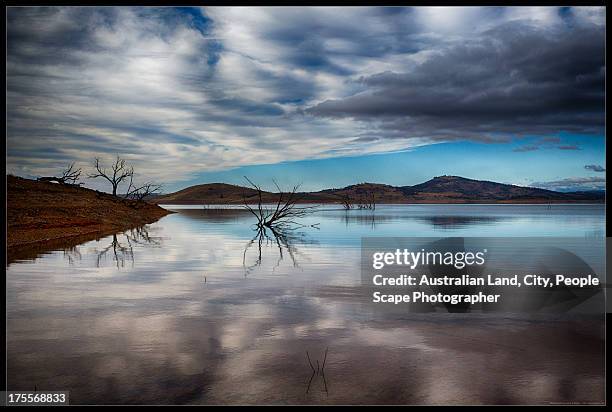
(178, 94)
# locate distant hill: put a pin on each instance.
(441, 189)
(599, 195)
(208, 193)
(450, 188)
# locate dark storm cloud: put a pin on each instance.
(311, 35)
(184, 90)
(517, 78)
(595, 168)
(545, 143)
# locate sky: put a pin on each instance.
(321, 96)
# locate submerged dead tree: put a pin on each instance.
(347, 203)
(319, 371)
(368, 202)
(283, 214)
(277, 223)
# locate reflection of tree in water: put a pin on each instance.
(141, 236)
(446, 222)
(122, 245)
(277, 224)
(455, 222)
(368, 219)
(283, 239)
(121, 252)
(72, 254)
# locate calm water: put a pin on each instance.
(195, 309)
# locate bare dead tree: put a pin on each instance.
(283, 214)
(70, 176)
(276, 223)
(346, 202)
(368, 202)
(373, 200)
(119, 172)
(142, 192)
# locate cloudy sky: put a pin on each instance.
(323, 96)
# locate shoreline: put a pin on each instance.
(42, 216)
(475, 203)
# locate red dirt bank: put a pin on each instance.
(40, 213)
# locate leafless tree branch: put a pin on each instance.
(368, 202)
(347, 202)
(70, 176)
(139, 193)
(284, 213)
(118, 173)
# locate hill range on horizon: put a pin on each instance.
(440, 189)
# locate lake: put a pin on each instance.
(196, 309)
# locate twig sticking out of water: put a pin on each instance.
(286, 212)
(319, 371)
(308, 356)
(310, 382)
(324, 359)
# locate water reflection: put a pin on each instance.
(285, 241)
(371, 219)
(122, 246)
(153, 331)
(217, 215)
(455, 222)
(72, 254)
(366, 219)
